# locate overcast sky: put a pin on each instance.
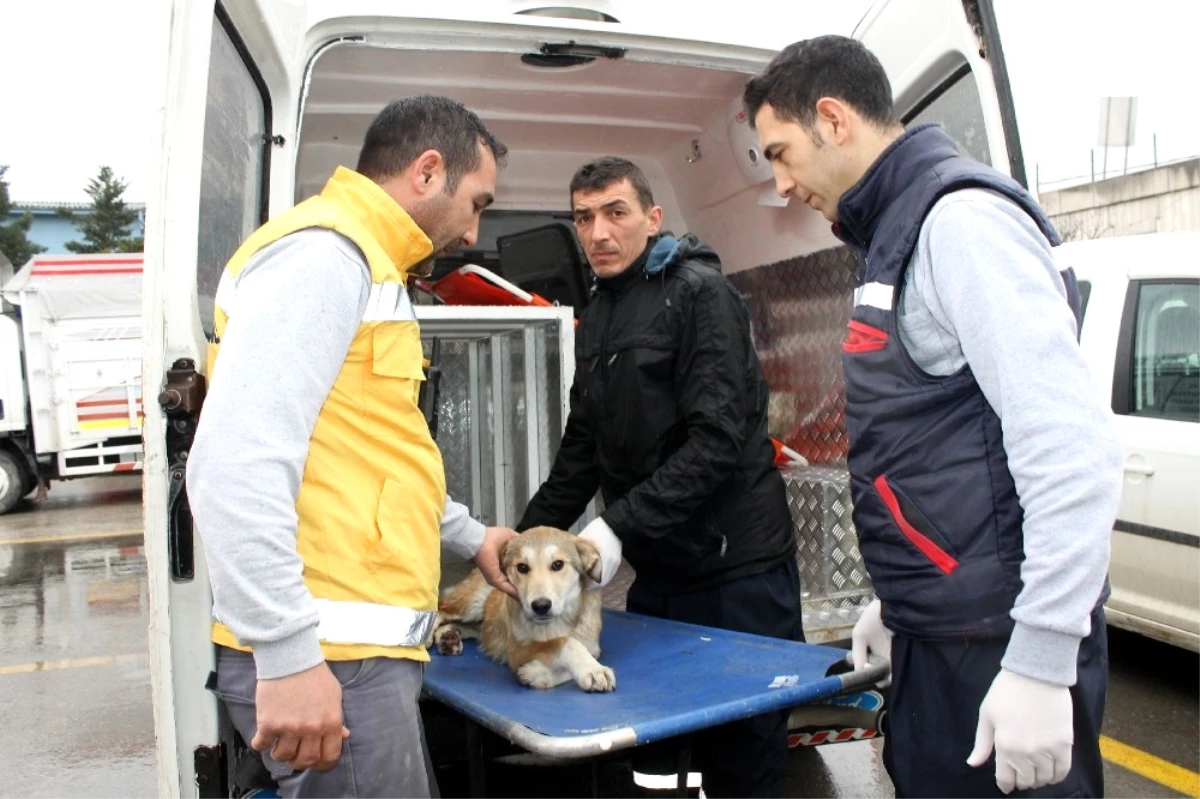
(75, 82)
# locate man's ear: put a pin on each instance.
(428, 173)
(589, 558)
(833, 116)
(655, 215)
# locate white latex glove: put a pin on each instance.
(871, 637)
(1031, 723)
(600, 534)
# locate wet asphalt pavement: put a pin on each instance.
(74, 675)
(75, 685)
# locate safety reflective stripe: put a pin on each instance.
(226, 293)
(387, 302)
(368, 623)
(875, 295)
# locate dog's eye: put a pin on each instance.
(523, 568)
(557, 565)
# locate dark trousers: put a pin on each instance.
(749, 757)
(386, 753)
(937, 687)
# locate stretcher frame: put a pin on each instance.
(673, 680)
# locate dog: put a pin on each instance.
(551, 634)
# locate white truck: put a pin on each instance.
(70, 371)
(260, 100)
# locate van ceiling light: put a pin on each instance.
(555, 61)
(557, 56)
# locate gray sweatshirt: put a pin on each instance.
(983, 290)
(299, 304)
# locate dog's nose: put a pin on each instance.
(540, 606)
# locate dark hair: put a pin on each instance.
(406, 128)
(827, 66)
(604, 172)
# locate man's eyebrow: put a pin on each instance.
(583, 209)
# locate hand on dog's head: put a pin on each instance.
(579, 552)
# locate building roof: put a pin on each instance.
(49, 205)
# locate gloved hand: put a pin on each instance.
(600, 534)
(1031, 723)
(871, 637)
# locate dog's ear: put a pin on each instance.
(589, 558)
(509, 552)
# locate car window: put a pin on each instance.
(957, 107)
(1166, 351)
(236, 146)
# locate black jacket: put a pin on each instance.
(669, 420)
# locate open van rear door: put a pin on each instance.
(218, 137)
(945, 63)
(225, 155)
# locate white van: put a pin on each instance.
(1141, 336)
(261, 99)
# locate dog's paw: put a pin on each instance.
(448, 640)
(535, 674)
(600, 678)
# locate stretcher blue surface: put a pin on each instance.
(672, 678)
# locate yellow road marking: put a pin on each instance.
(1177, 778)
(76, 663)
(47, 539)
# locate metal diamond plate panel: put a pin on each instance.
(799, 309)
(454, 439)
(834, 583)
(550, 399)
(454, 419)
(499, 408)
(516, 451)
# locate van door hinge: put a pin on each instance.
(183, 391)
(211, 771)
(181, 398)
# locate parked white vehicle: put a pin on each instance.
(70, 371)
(1141, 336)
(262, 99)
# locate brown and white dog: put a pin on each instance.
(552, 633)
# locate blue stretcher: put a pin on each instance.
(672, 679)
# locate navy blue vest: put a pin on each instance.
(935, 506)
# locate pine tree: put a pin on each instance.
(14, 242)
(106, 227)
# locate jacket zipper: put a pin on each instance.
(603, 356)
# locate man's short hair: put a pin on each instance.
(406, 128)
(827, 66)
(604, 172)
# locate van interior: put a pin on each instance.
(275, 129)
(680, 123)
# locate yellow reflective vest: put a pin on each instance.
(374, 488)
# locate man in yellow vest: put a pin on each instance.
(316, 488)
